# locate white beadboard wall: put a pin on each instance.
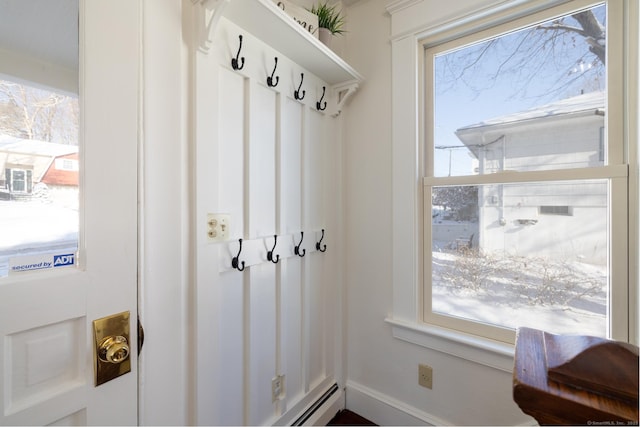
(269, 161)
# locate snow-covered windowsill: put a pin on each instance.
(469, 347)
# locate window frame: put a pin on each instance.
(27, 180)
(412, 24)
(615, 170)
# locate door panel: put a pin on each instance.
(46, 338)
(44, 372)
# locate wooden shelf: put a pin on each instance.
(266, 21)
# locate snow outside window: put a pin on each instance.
(521, 117)
(39, 192)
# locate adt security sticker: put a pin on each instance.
(40, 262)
(63, 260)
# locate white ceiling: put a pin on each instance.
(42, 30)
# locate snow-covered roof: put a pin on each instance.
(587, 102)
(28, 146)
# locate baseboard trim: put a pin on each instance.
(321, 412)
(317, 408)
(385, 410)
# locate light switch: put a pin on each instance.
(218, 227)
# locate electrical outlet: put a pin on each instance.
(425, 376)
(277, 388)
(218, 227)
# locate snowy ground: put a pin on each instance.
(552, 295)
(35, 227)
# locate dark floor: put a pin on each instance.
(348, 418)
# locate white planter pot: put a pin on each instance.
(325, 36)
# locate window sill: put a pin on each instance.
(484, 351)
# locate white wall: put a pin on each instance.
(381, 370)
(164, 198)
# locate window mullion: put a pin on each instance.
(603, 172)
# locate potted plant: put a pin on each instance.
(330, 22)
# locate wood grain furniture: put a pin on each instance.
(575, 379)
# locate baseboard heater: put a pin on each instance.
(317, 405)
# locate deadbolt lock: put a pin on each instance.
(112, 349)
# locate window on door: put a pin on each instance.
(39, 187)
(526, 177)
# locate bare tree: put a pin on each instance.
(563, 53)
(590, 29)
(31, 113)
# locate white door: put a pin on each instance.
(46, 332)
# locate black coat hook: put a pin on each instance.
(297, 92)
(296, 250)
(270, 253)
(322, 248)
(270, 81)
(321, 107)
(235, 261)
(235, 61)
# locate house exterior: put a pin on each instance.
(563, 134)
(27, 163)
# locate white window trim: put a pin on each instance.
(413, 21)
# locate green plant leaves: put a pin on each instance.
(329, 18)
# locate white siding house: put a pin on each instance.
(565, 220)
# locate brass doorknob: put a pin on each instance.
(114, 349)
